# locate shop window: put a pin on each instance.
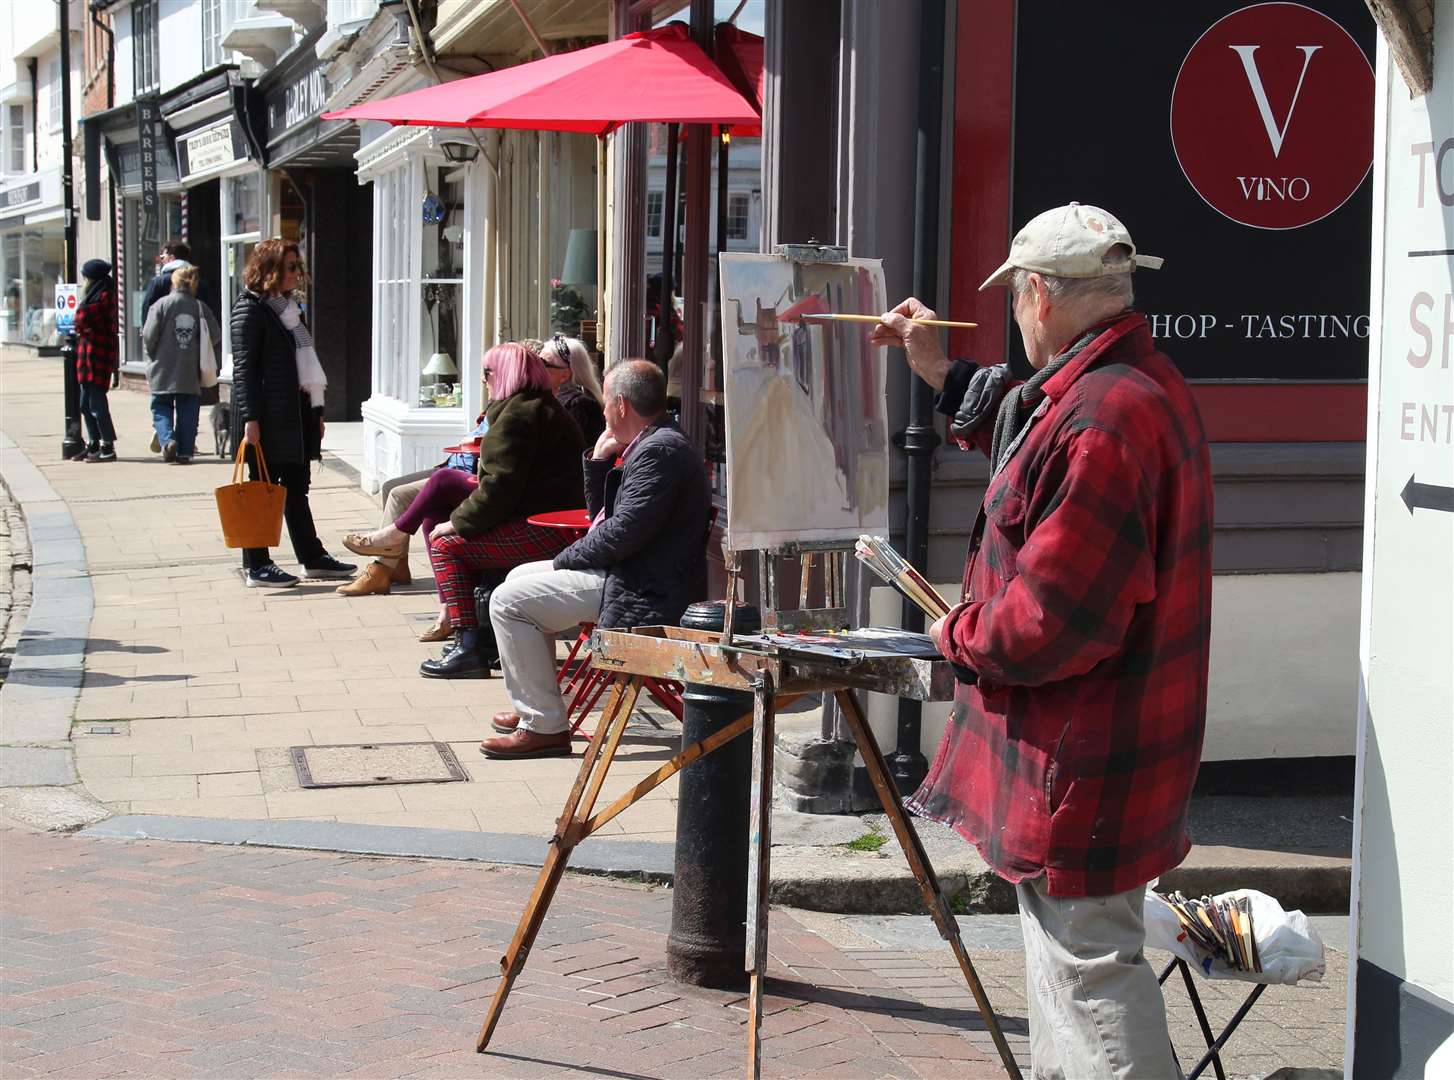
(655, 200)
(241, 196)
(146, 73)
(244, 196)
(12, 278)
(15, 142)
(441, 284)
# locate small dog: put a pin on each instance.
(222, 429)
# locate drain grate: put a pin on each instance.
(362, 764)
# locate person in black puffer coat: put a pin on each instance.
(277, 398)
(643, 561)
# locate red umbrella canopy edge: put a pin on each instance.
(658, 76)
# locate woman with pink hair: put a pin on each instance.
(529, 463)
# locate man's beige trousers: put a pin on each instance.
(1096, 1010)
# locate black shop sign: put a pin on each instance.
(1235, 141)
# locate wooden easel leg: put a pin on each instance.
(568, 832)
(759, 865)
(944, 920)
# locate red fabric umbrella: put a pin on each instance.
(660, 76)
(742, 60)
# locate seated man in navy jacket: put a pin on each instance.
(642, 563)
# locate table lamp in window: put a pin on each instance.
(438, 379)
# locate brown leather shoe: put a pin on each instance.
(401, 575)
(372, 580)
(360, 544)
(440, 631)
(525, 743)
(505, 722)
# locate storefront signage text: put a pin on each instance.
(148, 115)
(209, 149)
(1272, 116)
(300, 100)
(18, 195)
(1243, 156)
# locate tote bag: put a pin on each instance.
(251, 510)
(207, 367)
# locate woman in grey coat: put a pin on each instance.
(173, 338)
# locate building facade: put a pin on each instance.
(32, 212)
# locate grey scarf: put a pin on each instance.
(1021, 402)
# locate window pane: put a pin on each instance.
(655, 200)
(17, 138)
(244, 194)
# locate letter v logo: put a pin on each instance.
(1275, 134)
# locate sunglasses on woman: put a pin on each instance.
(293, 267)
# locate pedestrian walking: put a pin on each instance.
(1083, 636)
(173, 340)
(277, 392)
(98, 359)
(577, 386)
(530, 463)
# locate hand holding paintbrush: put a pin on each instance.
(906, 327)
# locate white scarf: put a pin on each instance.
(310, 371)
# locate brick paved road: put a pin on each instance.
(151, 959)
(172, 960)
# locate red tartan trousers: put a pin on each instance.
(460, 562)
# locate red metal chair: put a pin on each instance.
(582, 685)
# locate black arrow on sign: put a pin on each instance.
(1429, 496)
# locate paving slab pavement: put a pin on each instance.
(190, 689)
(142, 958)
(178, 694)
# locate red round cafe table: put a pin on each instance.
(577, 521)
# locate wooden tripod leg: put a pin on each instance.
(888, 796)
(593, 772)
(759, 864)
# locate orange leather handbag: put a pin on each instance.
(251, 510)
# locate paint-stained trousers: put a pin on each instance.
(1096, 1010)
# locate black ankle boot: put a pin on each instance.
(466, 658)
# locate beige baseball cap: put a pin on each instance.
(1072, 241)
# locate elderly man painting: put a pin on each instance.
(1082, 638)
(642, 563)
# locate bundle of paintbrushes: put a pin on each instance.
(880, 557)
(1220, 925)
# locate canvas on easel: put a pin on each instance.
(806, 407)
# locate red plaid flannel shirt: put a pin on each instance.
(1087, 618)
(98, 344)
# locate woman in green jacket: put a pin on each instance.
(530, 463)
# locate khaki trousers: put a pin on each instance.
(1096, 1010)
(398, 494)
(536, 602)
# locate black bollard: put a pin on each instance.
(708, 939)
(73, 441)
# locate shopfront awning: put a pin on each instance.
(658, 76)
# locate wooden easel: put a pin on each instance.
(773, 676)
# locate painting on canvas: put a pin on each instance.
(806, 415)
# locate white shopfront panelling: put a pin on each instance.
(404, 432)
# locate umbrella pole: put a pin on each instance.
(601, 160)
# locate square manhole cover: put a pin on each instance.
(360, 764)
